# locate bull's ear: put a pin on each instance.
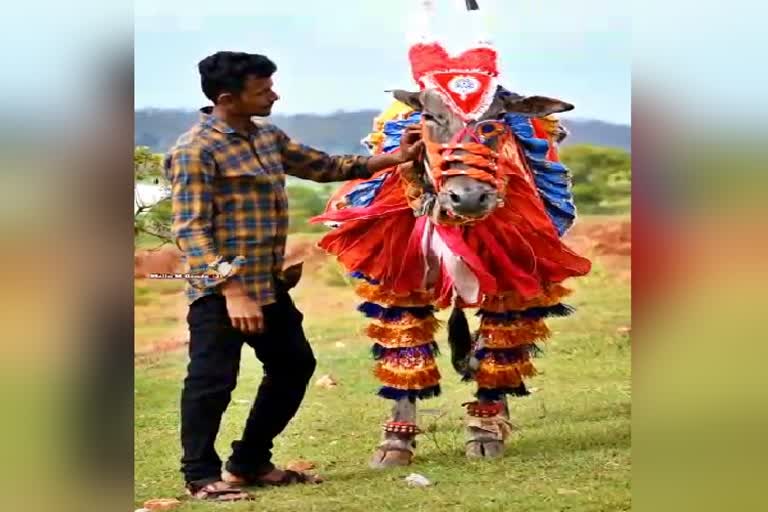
(535, 106)
(412, 99)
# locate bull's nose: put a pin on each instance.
(471, 200)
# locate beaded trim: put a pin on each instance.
(484, 410)
(402, 427)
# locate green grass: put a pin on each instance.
(156, 310)
(572, 452)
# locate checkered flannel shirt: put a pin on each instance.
(229, 201)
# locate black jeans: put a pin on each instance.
(214, 352)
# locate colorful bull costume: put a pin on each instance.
(476, 224)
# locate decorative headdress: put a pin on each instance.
(467, 82)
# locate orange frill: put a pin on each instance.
(403, 335)
(378, 295)
(494, 375)
(553, 294)
(412, 377)
(513, 335)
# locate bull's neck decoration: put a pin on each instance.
(467, 82)
(480, 162)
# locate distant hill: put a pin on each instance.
(341, 132)
(598, 133)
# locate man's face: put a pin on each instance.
(257, 97)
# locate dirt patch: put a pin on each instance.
(608, 241)
(604, 238)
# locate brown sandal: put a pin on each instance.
(214, 492)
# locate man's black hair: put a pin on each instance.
(227, 71)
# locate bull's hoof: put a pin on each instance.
(489, 449)
(388, 458)
(486, 437)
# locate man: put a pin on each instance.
(230, 219)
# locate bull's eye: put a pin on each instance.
(454, 197)
(490, 129)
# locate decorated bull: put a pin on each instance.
(477, 223)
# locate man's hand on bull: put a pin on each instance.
(411, 148)
(411, 145)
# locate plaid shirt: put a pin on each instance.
(229, 201)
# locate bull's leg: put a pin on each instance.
(399, 439)
(500, 362)
(403, 330)
(488, 427)
(484, 435)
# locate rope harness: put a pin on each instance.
(467, 147)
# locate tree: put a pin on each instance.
(602, 177)
(306, 202)
(147, 166)
(152, 213)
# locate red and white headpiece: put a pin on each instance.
(467, 81)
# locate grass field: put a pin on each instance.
(572, 452)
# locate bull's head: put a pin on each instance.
(466, 161)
